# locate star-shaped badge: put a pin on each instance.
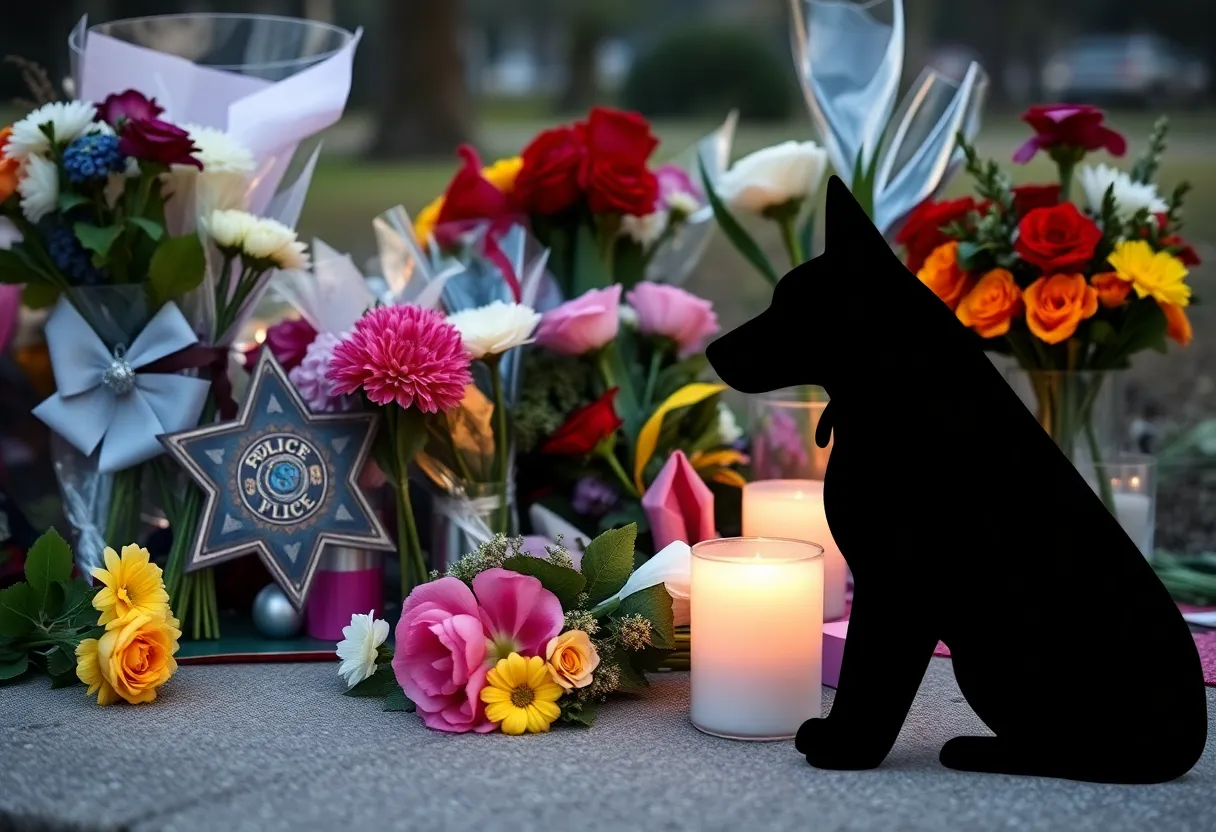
(280, 481)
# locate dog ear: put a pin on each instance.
(849, 231)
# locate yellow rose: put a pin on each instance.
(129, 662)
(131, 585)
(572, 659)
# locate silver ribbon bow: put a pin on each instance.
(849, 66)
(100, 399)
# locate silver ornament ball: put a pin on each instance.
(119, 376)
(273, 614)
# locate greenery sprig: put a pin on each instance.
(1144, 169)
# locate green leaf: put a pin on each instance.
(150, 227)
(966, 252)
(78, 598)
(806, 236)
(176, 268)
(739, 238)
(653, 604)
(98, 240)
(590, 270)
(39, 295)
(608, 562)
(12, 668)
(562, 581)
(581, 713)
(48, 561)
(60, 662)
(398, 701)
(19, 605)
(1101, 332)
(67, 201)
(631, 678)
(65, 680)
(379, 685)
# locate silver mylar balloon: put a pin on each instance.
(273, 614)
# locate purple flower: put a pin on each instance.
(593, 497)
(131, 105)
(310, 377)
(782, 439)
(674, 181)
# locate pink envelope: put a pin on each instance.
(679, 504)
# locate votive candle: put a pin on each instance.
(794, 509)
(757, 646)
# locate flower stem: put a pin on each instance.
(500, 441)
(789, 236)
(652, 376)
(609, 457)
(409, 546)
(1066, 167)
(604, 365)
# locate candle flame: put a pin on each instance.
(1134, 482)
(260, 335)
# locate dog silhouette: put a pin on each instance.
(962, 521)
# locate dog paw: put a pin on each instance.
(825, 746)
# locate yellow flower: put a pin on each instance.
(131, 661)
(572, 658)
(520, 694)
(1156, 274)
(502, 173)
(132, 585)
(424, 224)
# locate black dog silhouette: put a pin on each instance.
(962, 521)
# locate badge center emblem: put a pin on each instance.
(284, 479)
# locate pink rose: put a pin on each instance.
(671, 312)
(450, 636)
(584, 324)
(288, 341)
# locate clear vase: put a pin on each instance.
(459, 524)
(782, 427)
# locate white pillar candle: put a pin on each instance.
(757, 648)
(794, 509)
(1135, 515)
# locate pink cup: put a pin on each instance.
(348, 581)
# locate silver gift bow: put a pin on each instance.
(849, 66)
(99, 397)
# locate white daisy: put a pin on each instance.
(729, 431)
(1130, 196)
(271, 240)
(219, 151)
(39, 188)
(230, 228)
(495, 328)
(645, 230)
(67, 119)
(358, 647)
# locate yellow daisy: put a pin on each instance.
(131, 585)
(1156, 274)
(521, 695)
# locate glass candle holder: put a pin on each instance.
(1133, 485)
(782, 429)
(794, 509)
(756, 609)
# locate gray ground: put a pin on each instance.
(271, 747)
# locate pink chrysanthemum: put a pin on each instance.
(403, 354)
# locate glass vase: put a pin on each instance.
(782, 428)
(1132, 482)
(459, 524)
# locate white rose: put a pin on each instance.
(495, 328)
(785, 172)
(230, 228)
(271, 240)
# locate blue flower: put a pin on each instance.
(92, 156)
(71, 258)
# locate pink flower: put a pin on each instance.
(673, 181)
(671, 312)
(403, 354)
(287, 341)
(311, 377)
(449, 637)
(584, 324)
(129, 105)
(1075, 126)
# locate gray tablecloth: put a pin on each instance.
(272, 747)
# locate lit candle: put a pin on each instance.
(1135, 514)
(757, 648)
(794, 508)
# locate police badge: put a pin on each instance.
(280, 481)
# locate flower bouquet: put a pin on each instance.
(1071, 293)
(512, 642)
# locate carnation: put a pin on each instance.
(229, 228)
(405, 355)
(271, 241)
(67, 120)
(219, 151)
(495, 328)
(311, 376)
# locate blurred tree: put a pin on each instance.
(424, 107)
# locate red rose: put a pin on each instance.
(922, 231)
(153, 140)
(548, 181)
(130, 105)
(585, 428)
(1028, 197)
(1058, 240)
(287, 341)
(620, 188)
(614, 172)
(618, 134)
(1076, 126)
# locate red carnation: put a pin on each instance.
(1077, 126)
(1057, 239)
(922, 231)
(548, 181)
(585, 428)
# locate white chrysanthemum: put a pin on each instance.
(1130, 196)
(219, 151)
(358, 647)
(645, 230)
(682, 204)
(39, 188)
(729, 431)
(271, 240)
(628, 316)
(230, 228)
(67, 119)
(495, 328)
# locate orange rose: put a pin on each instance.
(991, 305)
(942, 274)
(8, 168)
(1112, 289)
(1177, 324)
(1056, 305)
